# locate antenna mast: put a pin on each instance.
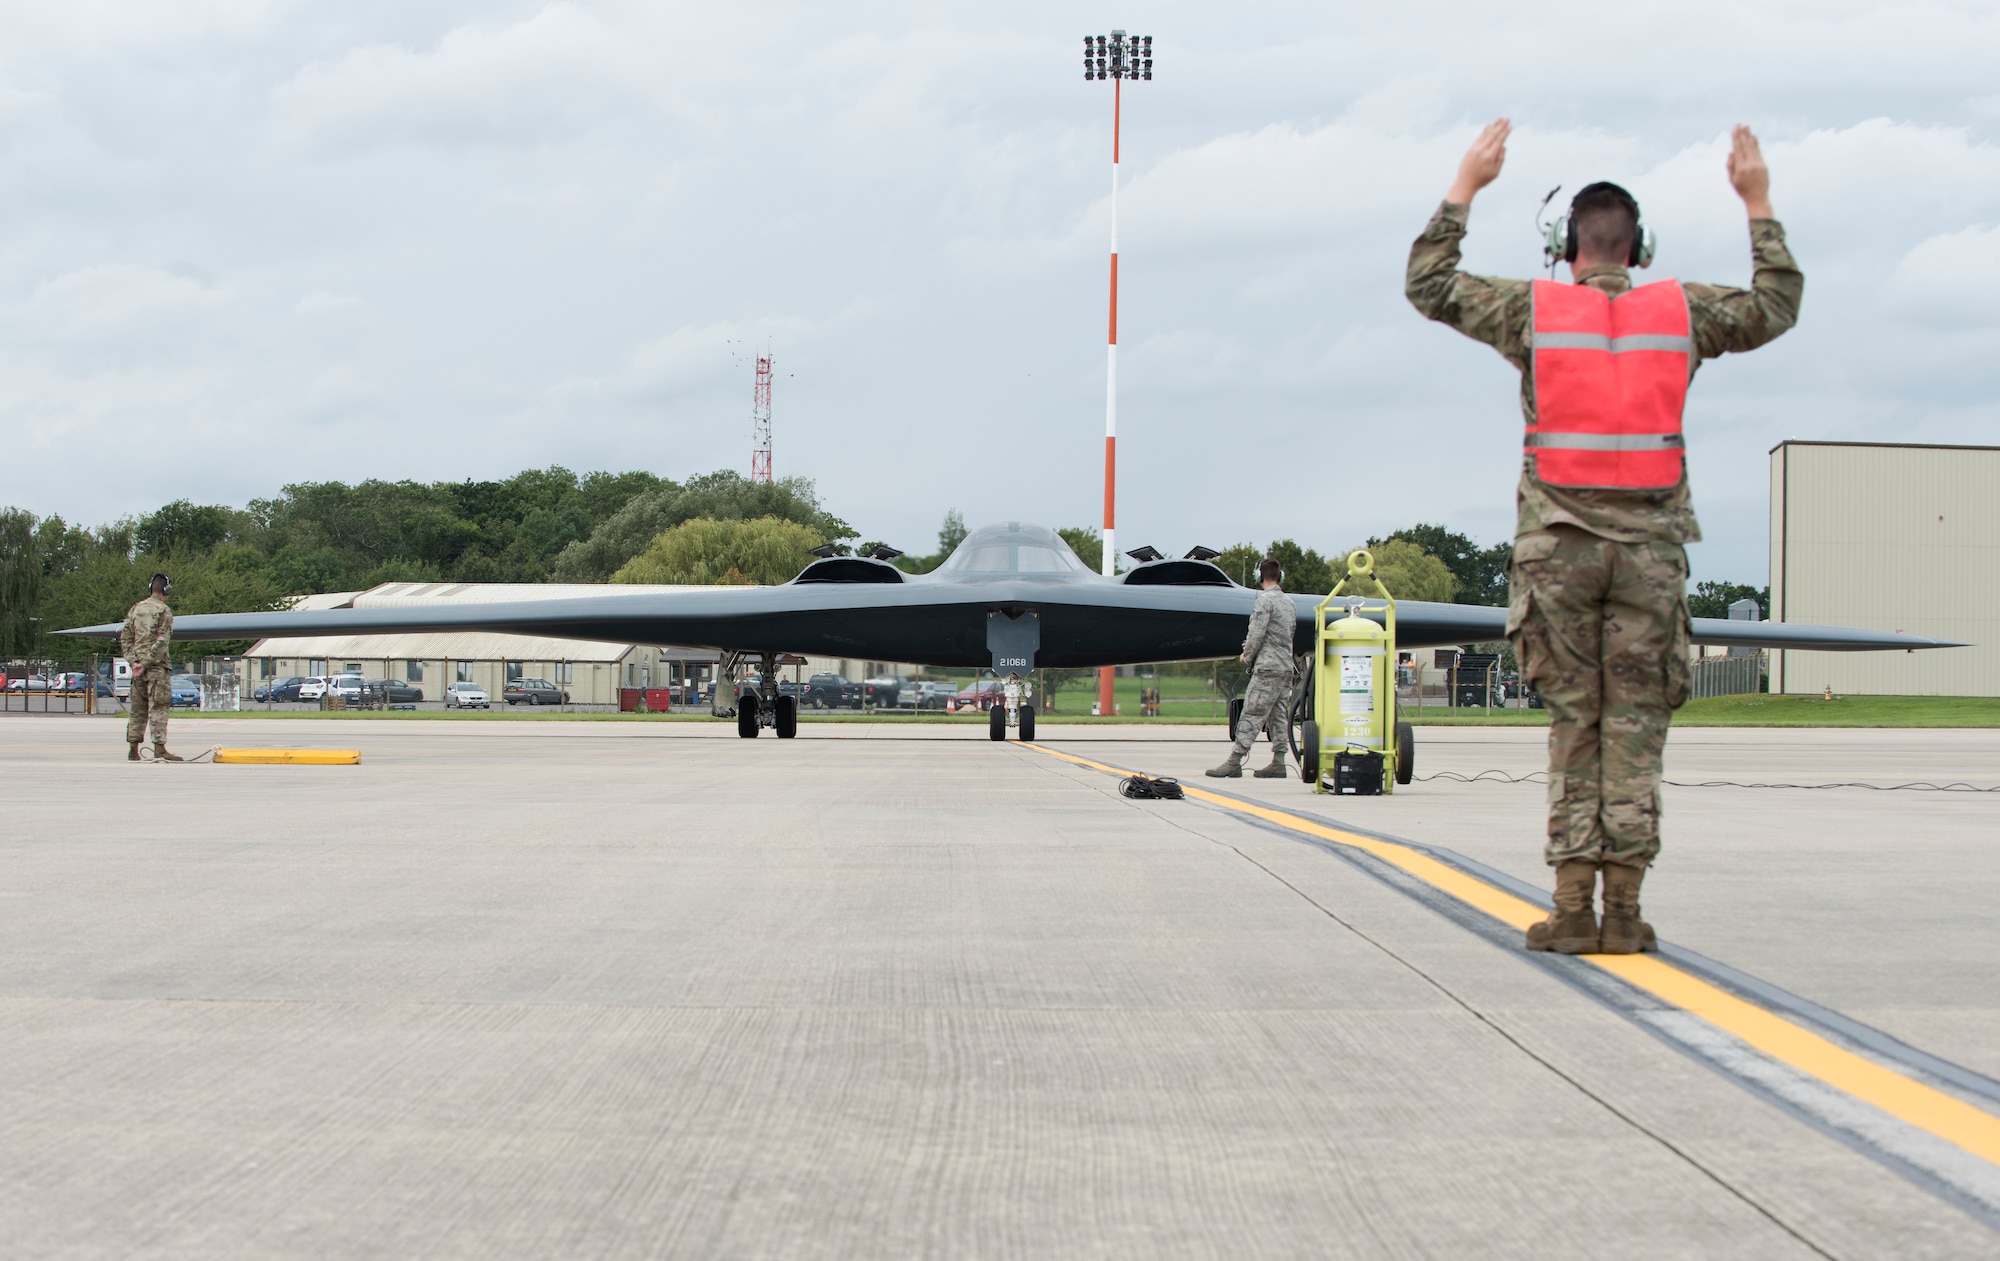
(760, 422)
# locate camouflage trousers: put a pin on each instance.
(152, 697)
(1601, 629)
(1267, 707)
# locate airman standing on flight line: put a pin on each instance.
(149, 626)
(1267, 703)
(1598, 582)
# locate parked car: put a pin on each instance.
(755, 683)
(466, 696)
(29, 683)
(533, 692)
(883, 691)
(396, 691)
(831, 691)
(350, 688)
(184, 690)
(311, 688)
(985, 693)
(285, 689)
(926, 694)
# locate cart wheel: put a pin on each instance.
(1406, 752)
(1309, 751)
(1235, 713)
(1302, 711)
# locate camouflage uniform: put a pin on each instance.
(1598, 583)
(1268, 647)
(148, 627)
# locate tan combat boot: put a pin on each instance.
(1231, 768)
(1276, 770)
(132, 750)
(160, 754)
(1624, 932)
(1571, 927)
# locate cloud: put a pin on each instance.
(461, 238)
(522, 83)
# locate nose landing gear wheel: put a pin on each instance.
(786, 717)
(746, 716)
(996, 722)
(1027, 722)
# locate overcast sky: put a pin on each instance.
(249, 244)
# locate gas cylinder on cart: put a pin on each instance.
(1353, 738)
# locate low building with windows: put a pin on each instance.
(592, 672)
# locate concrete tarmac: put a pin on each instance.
(561, 989)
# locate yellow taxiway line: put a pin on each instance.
(1904, 1098)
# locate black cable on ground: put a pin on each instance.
(1146, 788)
(1541, 777)
(147, 755)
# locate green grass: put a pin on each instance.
(1759, 710)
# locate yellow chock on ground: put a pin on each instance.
(291, 757)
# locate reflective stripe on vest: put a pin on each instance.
(1610, 378)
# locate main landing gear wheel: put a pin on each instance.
(1027, 722)
(996, 722)
(1406, 752)
(787, 717)
(746, 716)
(1309, 752)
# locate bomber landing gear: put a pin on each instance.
(1012, 710)
(766, 707)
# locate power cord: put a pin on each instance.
(1542, 777)
(1146, 788)
(147, 755)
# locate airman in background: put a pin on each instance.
(1267, 703)
(149, 627)
(1598, 582)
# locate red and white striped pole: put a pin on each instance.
(1105, 674)
(1118, 58)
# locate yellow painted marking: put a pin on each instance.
(291, 757)
(1904, 1098)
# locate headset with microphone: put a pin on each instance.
(1560, 241)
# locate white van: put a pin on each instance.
(120, 676)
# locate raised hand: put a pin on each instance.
(1482, 162)
(1748, 174)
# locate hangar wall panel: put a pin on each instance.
(1892, 538)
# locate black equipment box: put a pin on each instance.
(1358, 773)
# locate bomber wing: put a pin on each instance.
(1082, 623)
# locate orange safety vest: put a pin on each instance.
(1611, 377)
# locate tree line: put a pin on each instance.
(540, 525)
(552, 525)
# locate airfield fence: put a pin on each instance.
(1735, 675)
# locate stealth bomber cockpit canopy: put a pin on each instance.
(1013, 548)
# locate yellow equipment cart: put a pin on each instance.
(1352, 733)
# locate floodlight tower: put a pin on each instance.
(1117, 58)
(760, 422)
